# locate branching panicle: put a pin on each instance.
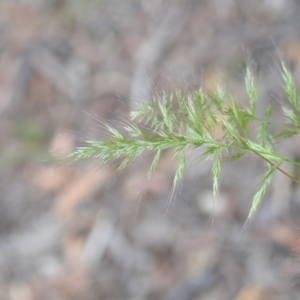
(214, 121)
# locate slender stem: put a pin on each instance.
(271, 163)
(278, 168)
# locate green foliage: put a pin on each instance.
(213, 121)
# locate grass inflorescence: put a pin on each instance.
(214, 121)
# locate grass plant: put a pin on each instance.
(214, 121)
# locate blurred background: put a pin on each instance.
(77, 231)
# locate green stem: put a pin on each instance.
(278, 168)
(260, 154)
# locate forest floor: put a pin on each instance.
(80, 231)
